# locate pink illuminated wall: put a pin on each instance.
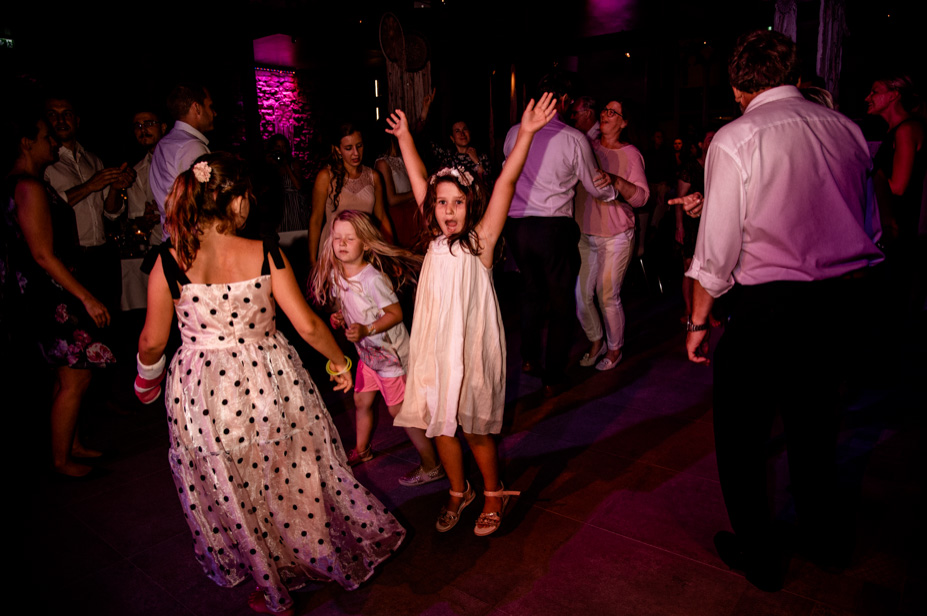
(609, 16)
(284, 108)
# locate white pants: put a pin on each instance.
(604, 263)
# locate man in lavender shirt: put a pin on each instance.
(783, 230)
(193, 112)
(543, 236)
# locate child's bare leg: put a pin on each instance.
(484, 450)
(451, 454)
(363, 418)
(423, 444)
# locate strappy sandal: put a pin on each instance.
(488, 523)
(356, 457)
(448, 519)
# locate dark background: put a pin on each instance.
(669, 56)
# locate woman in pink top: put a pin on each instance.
(607, 239)
(346, 184)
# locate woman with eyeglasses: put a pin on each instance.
(608, 238)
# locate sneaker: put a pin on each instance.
(607, 364)
(419, 476)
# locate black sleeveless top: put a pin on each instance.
(176, 278)
(906, 207)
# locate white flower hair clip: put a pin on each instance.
(463, 177)
(202, 171)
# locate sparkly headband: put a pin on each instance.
(202, 171)
(463, 178)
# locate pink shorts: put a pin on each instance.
(393, 388)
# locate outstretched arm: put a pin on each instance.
(290, 299)
(418, 175)
(533, 120)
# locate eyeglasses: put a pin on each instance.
(145, 124)
(53, 115)
(611, 113)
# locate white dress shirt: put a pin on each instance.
(560, 156)
(72, 169)
(785, 196)
(140, 192)
(173, 155)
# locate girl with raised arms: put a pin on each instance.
(456, 375)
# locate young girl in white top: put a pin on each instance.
(352, 269)
(456, 375)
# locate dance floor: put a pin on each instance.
(619, 503)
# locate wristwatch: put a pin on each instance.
(692, 327)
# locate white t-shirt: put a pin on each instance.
(363, 298)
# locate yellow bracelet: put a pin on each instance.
(331, 371)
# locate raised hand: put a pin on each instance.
(398, 124)
(427, 100)
(537, 115)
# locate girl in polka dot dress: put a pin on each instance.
(262, 478)
(350, 269)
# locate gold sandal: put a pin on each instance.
(488, 523)
(356, 456)
(448, 519)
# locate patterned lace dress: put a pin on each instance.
(258, 466)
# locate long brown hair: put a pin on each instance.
(192, 204)
(336, 163)
(474, 191)
(399, 265)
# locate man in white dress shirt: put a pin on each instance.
(93, 191)
(191, 107)
(149, 130)
(783, 231)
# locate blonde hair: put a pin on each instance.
(399, 265)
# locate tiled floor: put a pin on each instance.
(619, 505)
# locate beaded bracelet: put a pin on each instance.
(331, 371)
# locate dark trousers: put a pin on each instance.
(787, 348)
(546, 252)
